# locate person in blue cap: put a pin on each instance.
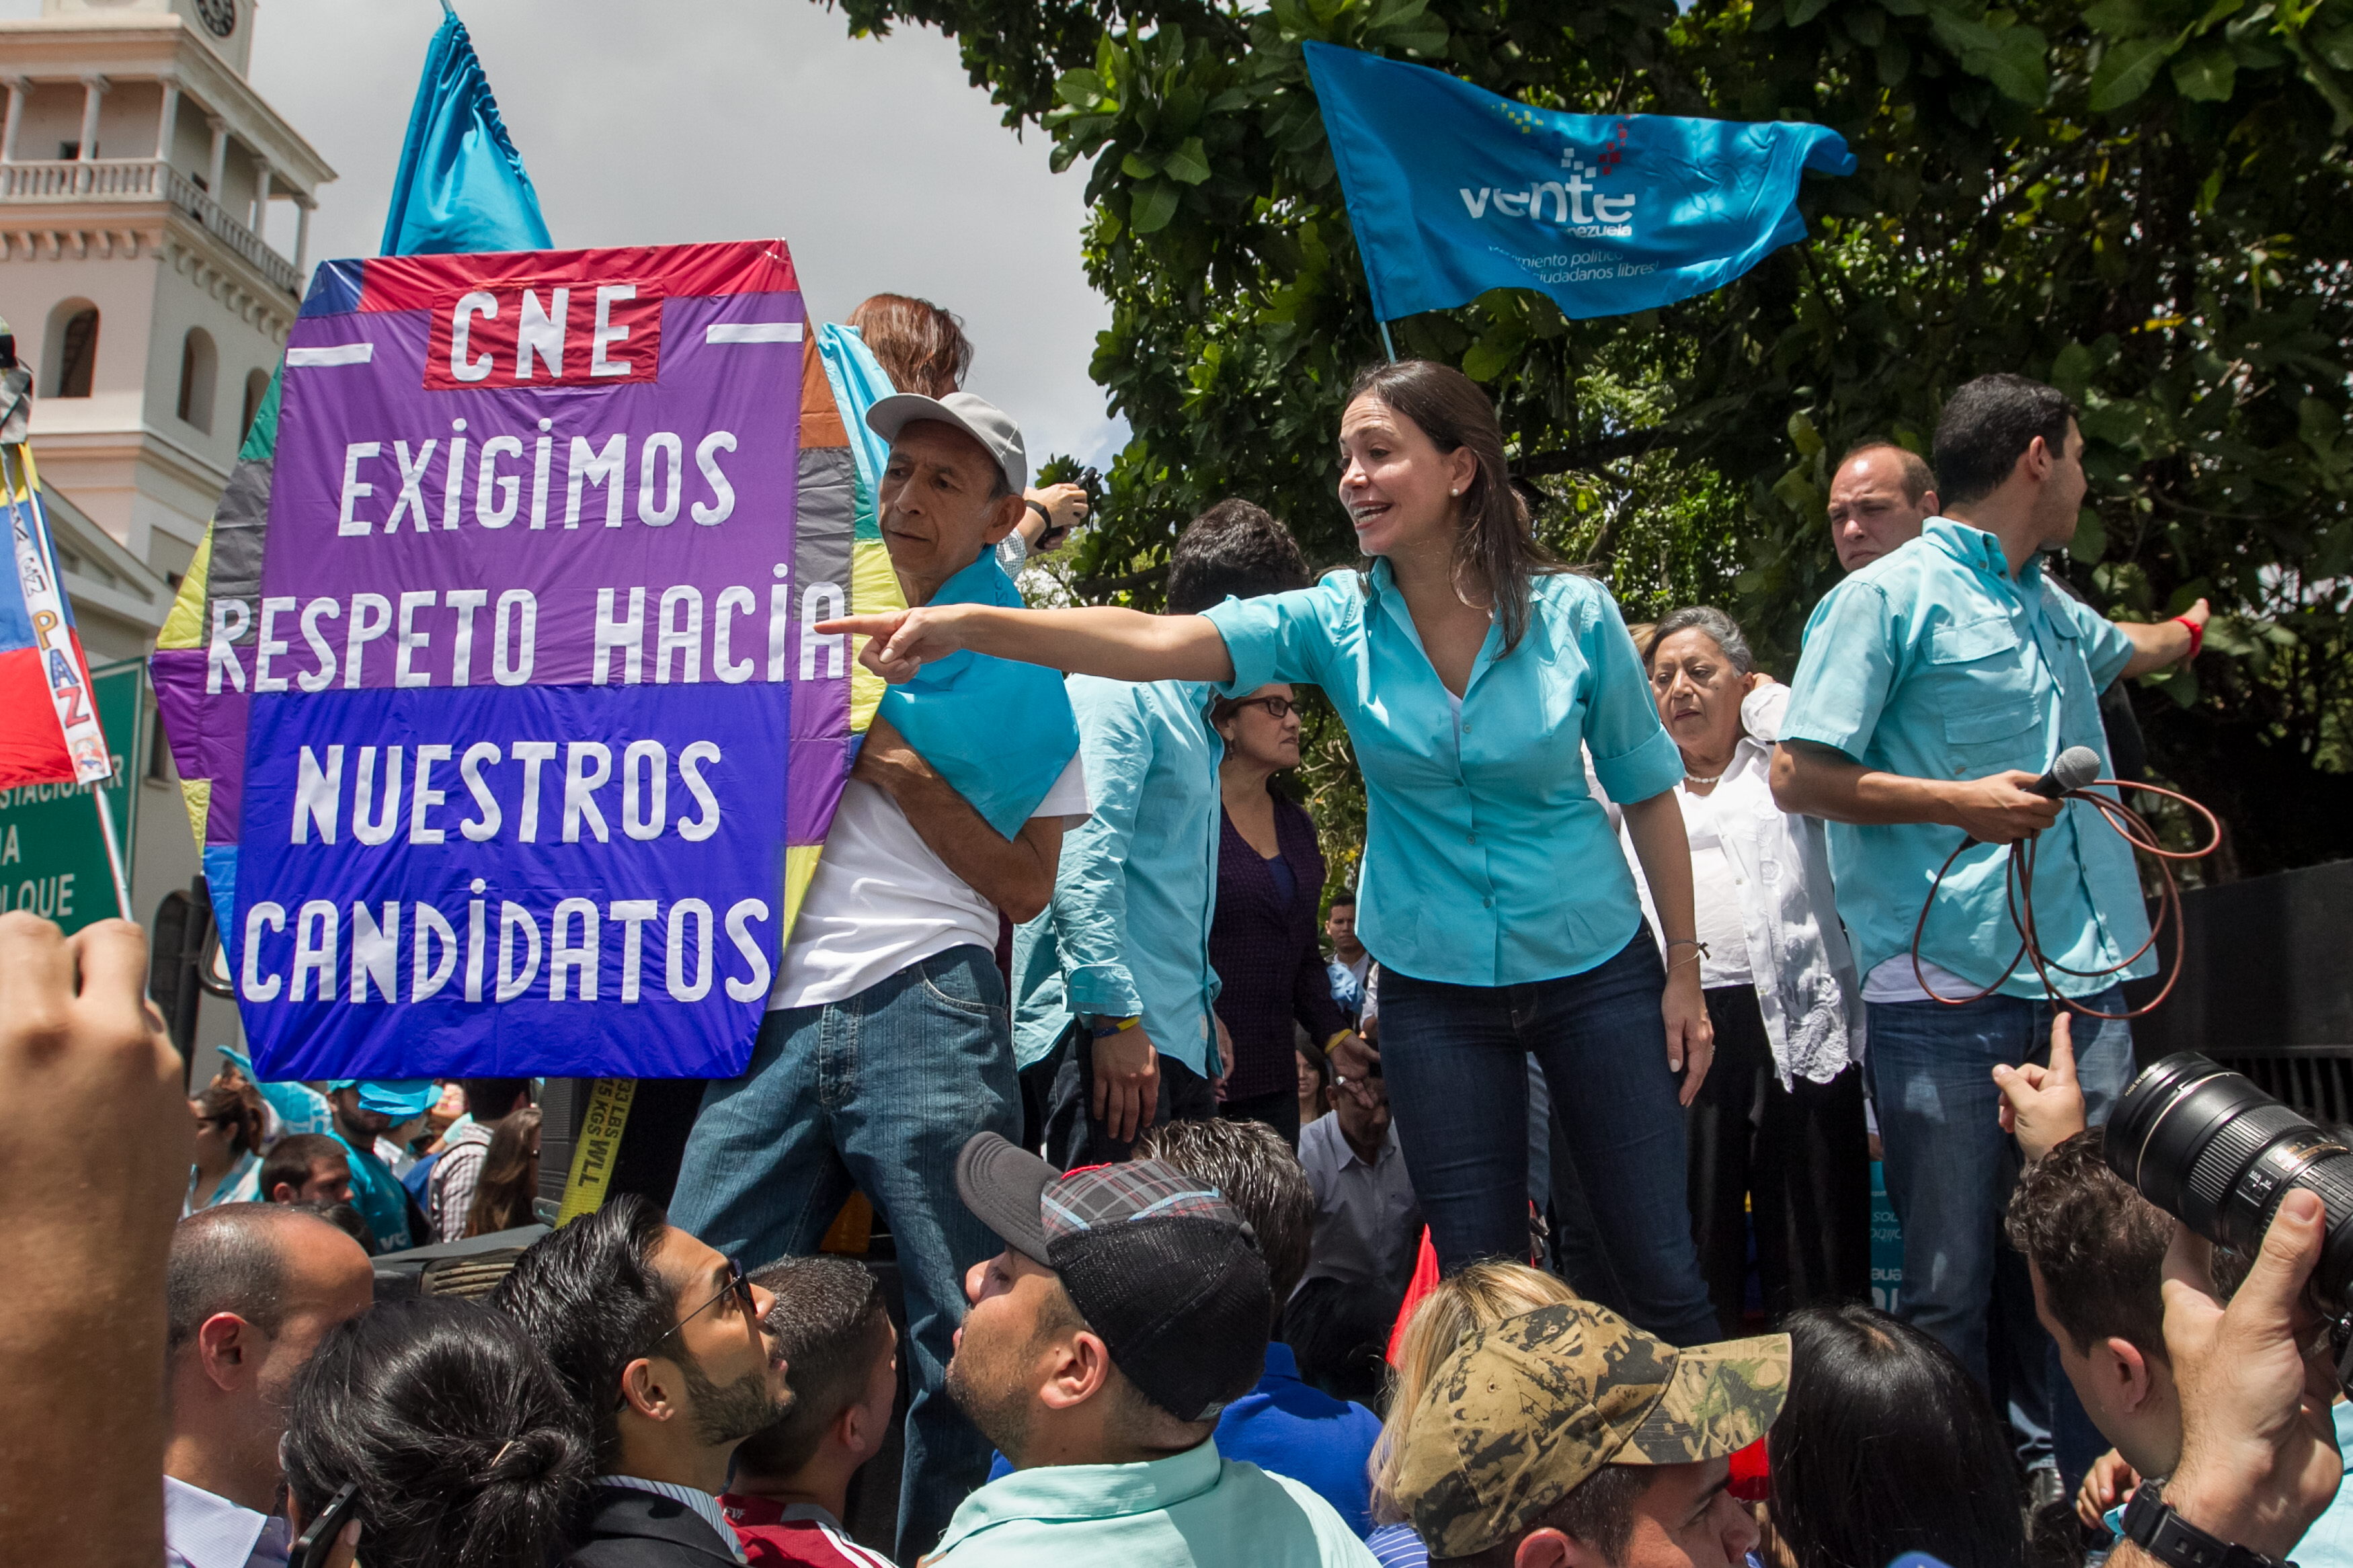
(367, 1109)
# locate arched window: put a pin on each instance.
(72, 348)
(199, 367)
(256, 388)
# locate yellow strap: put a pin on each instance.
(1331, 1044)
(600, 1143)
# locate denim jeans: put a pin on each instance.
(878, 1092)
(1950, 1169)
(1454, 1056)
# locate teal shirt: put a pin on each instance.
(1487, 862)
(377, 1193)
(1935, 663)
(1190, 1509)
(1128, 932)
(2329, 1542)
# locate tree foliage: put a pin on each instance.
(2145, 202)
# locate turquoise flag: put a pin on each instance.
(461, 186)
(1453, 191)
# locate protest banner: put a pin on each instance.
(494, 684)
(1454, 190)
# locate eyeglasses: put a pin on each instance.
(1276, 707)
(737, 1285)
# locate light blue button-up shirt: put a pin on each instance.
(1487, 862)
(1189, 1511)
(1934, 662)
(1128, 932)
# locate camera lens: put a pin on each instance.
(2206, 1146)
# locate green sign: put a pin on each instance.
(52, 850)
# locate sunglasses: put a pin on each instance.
(1276, 707)
(738, 1286)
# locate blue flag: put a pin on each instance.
(461, 186)
(1454, 190)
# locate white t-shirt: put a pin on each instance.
(1894, 981)
(881, 900)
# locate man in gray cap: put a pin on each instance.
(1127, 1309)
(887, 1042)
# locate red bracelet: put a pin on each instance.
(2197, 635)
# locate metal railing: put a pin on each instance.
(144, 179)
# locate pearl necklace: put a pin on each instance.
(1695, 779)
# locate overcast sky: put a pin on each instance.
(697, 120)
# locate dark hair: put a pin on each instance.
(510, 1178)
(290, 1158)
(832, 1326)
(921, 347)
(1316, 1059)
(1235, 547)
(1719, 628)
(1598, 1511)
(1497, 544)
(489, 1099)
(230, 1098)
(466, 1450)
(1885, 1444)
(1344, 896)
(2098, 1245)
(590, 1295)
(225, 1260)
(1917, 478)
(1259, 1175)
(1340, 1331)
(1988, 427)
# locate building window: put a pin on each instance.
(73, 348)
(199, 366)
(256, 388)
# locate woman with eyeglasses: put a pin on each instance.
(1474, 671)
(228, 1165)
(1270, 894)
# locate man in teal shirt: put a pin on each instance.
(367, 1109)
(1940, 681)
(1118, 964)
(1126, 1311)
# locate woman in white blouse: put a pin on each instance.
(1779, 1121)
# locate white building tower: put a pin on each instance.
(153, 218)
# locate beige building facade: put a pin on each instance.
(154, 219)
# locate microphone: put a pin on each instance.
(2076, 766)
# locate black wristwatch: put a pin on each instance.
(2151, 1524)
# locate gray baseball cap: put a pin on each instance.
(975, 416)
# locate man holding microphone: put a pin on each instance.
(1938, 683)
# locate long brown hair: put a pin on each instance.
(509, 1177)
(230, 1099)
(919, 345)
(1496, 543)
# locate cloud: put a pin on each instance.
(879, 164)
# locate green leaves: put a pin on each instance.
(2207, 74)
(2127, 68)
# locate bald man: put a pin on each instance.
(250, 1292)
(1880, 497)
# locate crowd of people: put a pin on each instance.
(1528, 1224)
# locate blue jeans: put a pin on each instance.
(1950, 1169)
(1455, 1060)
(878, 1092)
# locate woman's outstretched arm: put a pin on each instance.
(1124, 645)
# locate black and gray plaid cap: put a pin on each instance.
(1158, 1264)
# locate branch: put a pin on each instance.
(1095, 589)
(1594, 452)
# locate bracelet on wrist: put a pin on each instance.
(1104, 1029)
(1040, 507)
(1333, 1043)
(2196, 635)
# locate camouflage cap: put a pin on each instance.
(1523, 1412)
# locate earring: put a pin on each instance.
(1455, 491)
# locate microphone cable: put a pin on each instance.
(2018, 873)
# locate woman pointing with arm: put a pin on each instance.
(1473, 671)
